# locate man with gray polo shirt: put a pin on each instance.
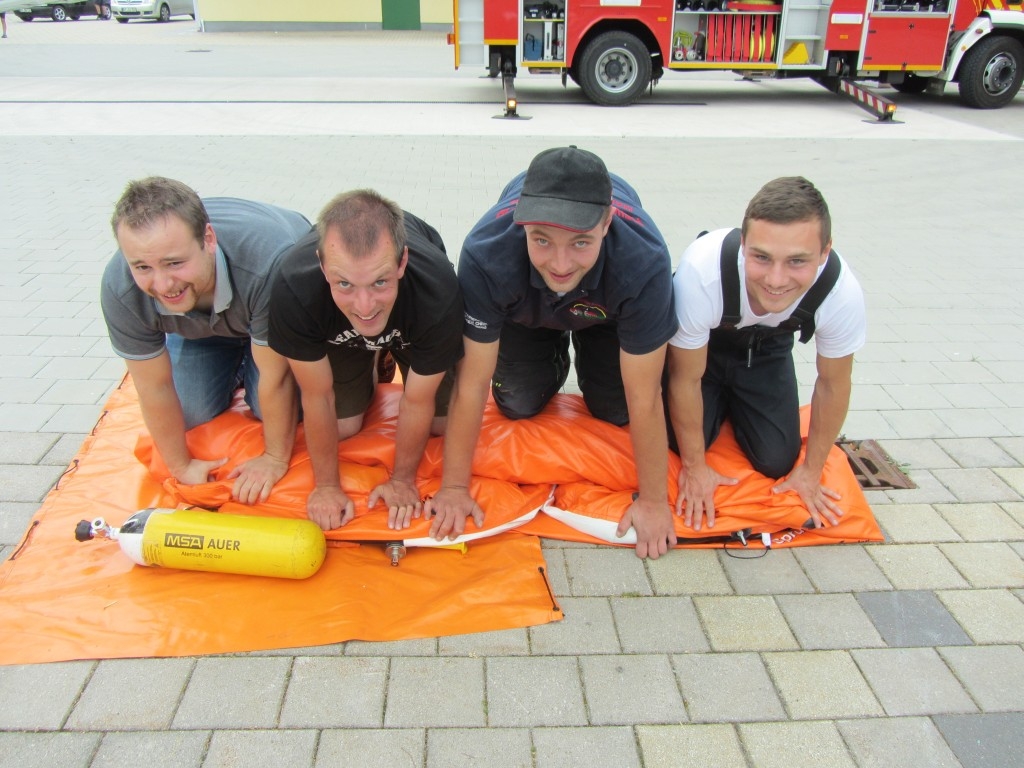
(186, 301)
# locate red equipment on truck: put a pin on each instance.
(616, 49)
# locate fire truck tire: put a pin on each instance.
(991, 72)
(912, 84)
(615, 69)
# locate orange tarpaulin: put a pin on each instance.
(61, 599)
(562, 474)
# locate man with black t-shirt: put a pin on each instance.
(372, 279)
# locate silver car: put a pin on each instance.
(161, 10)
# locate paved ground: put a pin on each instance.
(905, 653)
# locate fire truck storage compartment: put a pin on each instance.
(543, 32)
(904, 35)
(749, 33)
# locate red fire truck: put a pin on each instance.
(616, 49)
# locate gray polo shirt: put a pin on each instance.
(251, 237)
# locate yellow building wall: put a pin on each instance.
(314, 11)
(436, 11)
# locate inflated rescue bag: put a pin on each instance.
(198, 540)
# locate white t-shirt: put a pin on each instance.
(840, 322)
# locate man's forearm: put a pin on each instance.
(650, 450)
(463, 431)
(161, 411)
(278, 406)
(414, 420)
(321, 427)
(687, 412)
(829, 405)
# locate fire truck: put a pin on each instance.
(616, 49)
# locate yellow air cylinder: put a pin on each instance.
(197, 540)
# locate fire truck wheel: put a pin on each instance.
(991, 72)
(614, 69)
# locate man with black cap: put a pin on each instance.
(567, 253)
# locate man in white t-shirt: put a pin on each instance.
(732, 356)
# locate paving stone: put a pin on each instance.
(914, 396)
(557, 572)
(821, 685)
(976, 485)
(1014, 509)
(987, 565)
(615, 695)
(435, 692)
(993, 675)
(795, 745)
(588, 627)
(493, 747)
(929, 490)
(234, 748)
(38, 697)
(14, 519)
(27, 483)
(914, 523)
(658, 625)
(504, 642)
(1013, 477)
(969, 396)
(989, 616)
(842, 568)
(23, 447)
(981, 522)
(47, 750)
(984, 741)
(744, 623)
(131, 694)
(912, 681)
(227, 692)
(916, 566)
(778, 572)
(917, 454)
(594, 746)
(689, 572)
(64, 450)
(425, 646)
(358, 748)
(534, 691)
(973, 422)
(690, 746)
(608, 571)
(1012, 445)
(976, 452)
(828, 621)
(917, 424)
(152, 749)
(873, 742)
(727, 687)
(335, 692)
(911, 618)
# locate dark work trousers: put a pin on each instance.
(751, 380)
(533, 364)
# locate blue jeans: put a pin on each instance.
(208, 371)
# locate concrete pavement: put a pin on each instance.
(905, 653)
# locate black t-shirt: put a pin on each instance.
(629, 285)
(425, 323)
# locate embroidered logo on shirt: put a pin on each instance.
(588, 311)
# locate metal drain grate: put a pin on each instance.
(873, 467)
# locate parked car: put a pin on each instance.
(161, 10)
(59, 10)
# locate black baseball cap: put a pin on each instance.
(566, 187)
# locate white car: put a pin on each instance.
(161, 10)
